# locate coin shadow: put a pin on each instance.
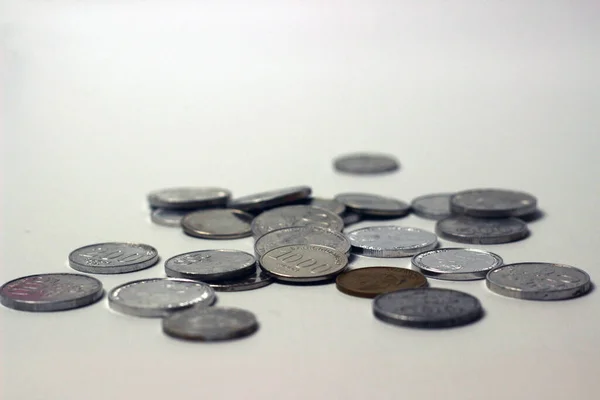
(533, 217)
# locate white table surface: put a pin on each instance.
(104, 101)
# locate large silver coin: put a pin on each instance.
(301, 235)
(285, 217)
(365, 163)
(273, 198)
(427, 308)
(159, 297)
(51, 292)
(391, 241)
(113, 258)
(493, 203)
(211, 265)
(539, 281)
(481, 231)
(166, 217)
(328, 204)
(432, 206)
(303, 263)
(218, 224)
(256, 280)
(210, 324)
(189, 197)
(455, 264)
(373, 205)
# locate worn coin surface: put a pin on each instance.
(456, 264)
(365, 163)
(50, 292)
(427, 308)
(373, 205)
(328, 204)
(493, 203)
(463, 229)
(255, 280)
(271, 198)
(372, 281)
(210, 324)
(539, 281)
(189, 197)
(211, 265)
(218, 224)
(288, 216)
(301, 235)
(167, 217)
(159, 297)
(432, 206)
(113, 258)
(391, 241)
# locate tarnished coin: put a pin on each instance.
(350, 217)
(373, 205)
(391, 241)
(303, 263)
(427, 308)
(273, 198)
(159, 297)
(456, 264)
(481, 231)
(211, 265)
(493, 203)
(365, 163)
(256, 280)
(166, 217)
(372, 281)
(113, 258)
(189, 197)
(210, 324)
(301, 235)
(218, 224)
(328, 204)
(539, 281)
(288, 216)
(50, 292)
(432, 206)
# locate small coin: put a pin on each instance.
(218, 224)
(211, 265)
(372, 281)
(50, 292)
(113, 258)
(256, 280)
(365, 163)
(273, 198)
(166, 217)
(189, 197)
(539, 281)
(464, 229)
(427, 308)
(159, 297)
(432, 206)
(350, 217)
(210, 324)
(373, 205)
(301, 235)
(493, 203)
(328, 204)
(456, 264)
(391, 241)
(303, 263)
(288, 216)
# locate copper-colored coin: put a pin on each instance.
(372, 281)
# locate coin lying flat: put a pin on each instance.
(273, 198)
(218, 224)
(372, 281)
(432, 206)
(189, 197)
(211, 265)
(159, 297)
(493, 203)
(255, 280)
(481, 231)
(350, 217)
(427, 308)
(328, 204)
(166, 217)
(539, 281)
(373, 205)
(301, 235)
(391, 241)
(288, 216)
(365, 163)
(456, 264)
(210, 324)
(50, 292)
(113, 258)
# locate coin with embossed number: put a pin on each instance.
(288, 216)
(210, 324)
(456, 264)
(432, 206)
(391, 241)
(493, 203)
(301, 235)
(256, 280)
(365, 163)
(463, 229)
(217, 224)
(211, 265)
(372, 281)
(373, 205)
(189, 197)
(113, 258)
(273, 198)
(167, 217)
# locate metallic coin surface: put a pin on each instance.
(301, 235)
(365, 163)
(373, 281)
(493, 203)
(427, 308)
(455, 264)
(223, 223)
(256, 280)
(432, 206)
(50, 292)
(271, 198)
(211, 265)
(189, 197)
(350, 217)
(288, 216)
(303, 263)
(391, 241)
(159, 297)
(210, 324)
(328, 204)
(539, 281)
(113, 258)
(167, 217)
(462, 229)
(373, 205)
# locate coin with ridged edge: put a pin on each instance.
(218, 224)
(301, 235)
(113, 258)
(288, 216)
(391, 241)
(456, 264)
(270, 199)
(463, 229)
(210, 324)
(493, 203)
(211, 265)
(189, 197)
(373, 281)
(256, 280)
(365, 163)
(373, 205)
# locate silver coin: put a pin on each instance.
(391, 241)
(350, 217)
(113, 258)
(189, 197)
(218, 224)
(210, 324)
(301, 235)
(328, 204)
(303, 263)
(373, 205)
(481, 231)
(539, 281)
(211, 265)
(493, 203)
(456, 264)
(50, 292)
(256, 280)
(159, 297)
(365, 163)
(288, 216)
(166, 217)
(271, 199)
(432, 206)
(427, 308)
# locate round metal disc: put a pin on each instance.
(189, 198)
(210, 324)
(256, 280)
(373, 281)
(350, 217)
(166, 217)
(211, 265)
(113, 258)
(365, 163)
(373, 205)
(285, 217)
(298, 235)
(432, 206)
(391, 241)
(328, 204)
(455, 264)
(481, 231)
(273, 198)
(493, 203)
(218, 224)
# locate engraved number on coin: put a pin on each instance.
(106, 256)
(293, 258)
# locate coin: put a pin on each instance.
(365, 163)
(256, 280)
(271, 199)
(113, 258)
(303, 263)
(166, 217)
(432, 206)
(218, 224)
(481, 231)
(288, 216)
(493, 203)
(211, 265)
(50, 292)
(427, 308)
(391, 241)
(159, 297)
(456, 264)
(350, 217)
(301, 235)
(328, 204)
(373, 205)
(372, 281)
(210, 324)
(539, 281)
(189, 197)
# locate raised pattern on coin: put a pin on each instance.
(210, 324)
(300, 215)
(301, 235)
(373, 205)
(493, 203)
(273, 198)
(218, 224)
(372, 281)
(113, 258)
(211, 265)
(365, 163)
(456, 264)
(391, 241)
(463, 229)
(189, 197)
(432, 206)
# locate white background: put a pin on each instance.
(103, 101)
